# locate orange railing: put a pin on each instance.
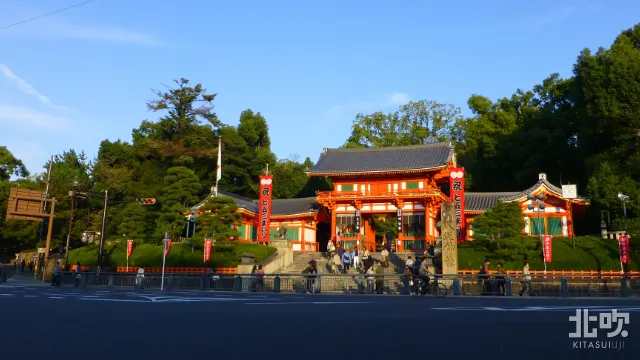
(571, 274)
(369, 194)
(306, 245)
(178, 270)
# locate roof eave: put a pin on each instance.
(360, 173)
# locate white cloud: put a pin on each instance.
(112, 34)
(26, 88)
(22, 116)
(388, 103)
(399, 99)
(61, 29)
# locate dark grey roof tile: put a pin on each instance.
(399, 158)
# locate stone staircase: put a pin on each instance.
(301, 260)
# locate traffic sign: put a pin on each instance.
(147, 201)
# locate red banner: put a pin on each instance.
(264, 208)
(623, 242)
(129, 248)
(456, 182)
(168, 247)
(207, 249)
(548, 248)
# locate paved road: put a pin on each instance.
(110, 324)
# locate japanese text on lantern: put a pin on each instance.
(456, 179)
(357, 224)
(207, 249)
(624, 249)
(399, 214)
(548, 248)
(266, 184)
(129, 248)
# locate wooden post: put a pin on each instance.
(50, 228)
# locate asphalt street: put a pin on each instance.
(62, 323)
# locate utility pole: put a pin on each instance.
(73, 207)
(104, 228)
(44, 211)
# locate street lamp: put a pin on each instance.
(191, 218)
(624, 198)
(537, 202)
(72, 195)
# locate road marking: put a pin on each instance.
(56, 297)
(30, 296)
(6, 294)
(114, 300)
(310, 302)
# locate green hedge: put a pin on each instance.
(148, 255)
(591, 253)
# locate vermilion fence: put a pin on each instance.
(571, 274)
(178, 270)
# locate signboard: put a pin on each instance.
(207, 249)
(456, 182)
(623, 242)
(548, 248)
(25, 204)
(399, 221)
(357, 224)
(129, 248)
(569, 192)
(264, 208)
(40, 251)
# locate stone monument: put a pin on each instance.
(449, 252)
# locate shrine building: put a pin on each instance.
(405, 185)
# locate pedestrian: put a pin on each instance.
(379, 279)
(500, 278)
(525, 280)
(346, 261)
(140, 278)
(356, 258)
(22, 265)
(385, 257)
(77, 275)
(409, 263)
(260, 275)
(57, 272)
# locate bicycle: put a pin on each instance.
(435, 288)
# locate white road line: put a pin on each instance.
(56, 297)
(6, 294)
(30, 296)
(113, 300)
(309, 302)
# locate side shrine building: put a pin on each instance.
(404, 186)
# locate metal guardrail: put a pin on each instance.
(395, 284)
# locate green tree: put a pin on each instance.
(134, 222)
(236, 162)
(181, 189)
(289, 179)
(502, 221)
(420, 122)
(10, 165)
(219, 218)
(253, 129)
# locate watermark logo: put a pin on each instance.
(587, 327)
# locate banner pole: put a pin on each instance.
(620, 244)
(164, 258)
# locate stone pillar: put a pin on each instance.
(449, 253)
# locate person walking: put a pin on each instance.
(525, 280)
(346, 261)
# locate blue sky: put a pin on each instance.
(75, 78)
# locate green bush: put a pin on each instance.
(223, 255)
(591, 253)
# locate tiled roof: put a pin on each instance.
(398, 158)
(294, 206)
(278, 206)
(474, 201)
